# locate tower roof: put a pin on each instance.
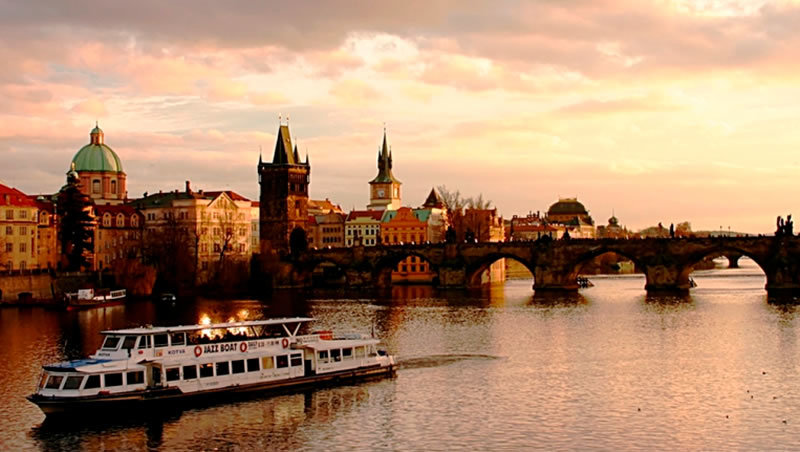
(385, 165)
(433, 200)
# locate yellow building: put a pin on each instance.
(47, 243)
(18, 230)
(215, 225)
(406, 225)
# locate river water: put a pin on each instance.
(610, 368)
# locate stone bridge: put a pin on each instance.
(556, 265)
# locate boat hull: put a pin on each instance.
(137, 400)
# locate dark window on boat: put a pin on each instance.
(297, 360)
(252, 365)
(223, 368)
(178, 339)
(128, 342)
(111, 343)
(336, 355)
(189, 372)
(323, 356)
(135, 378)
(360, 352)
(92, 382)
(206, 370)
(173, 374)
(54, 382)
(282, 360)
(144, 342)
(160, 340)
(347, 353)
(112, 380)
(73, 382)
(237, 367)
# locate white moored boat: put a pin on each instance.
(140, 366)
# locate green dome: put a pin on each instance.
(97, 157)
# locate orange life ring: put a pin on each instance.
(198, 350)
(243, 347)
(285, 342)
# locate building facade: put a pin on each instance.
(363, 228)
(118, 234)
(406, 225)
(326, 230)
(283, 197)
(18, 230)
(384, 189)
(100, 171)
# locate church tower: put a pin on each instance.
(384, 190)
(284, 195)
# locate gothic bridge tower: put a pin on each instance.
(283, 210)
(384, 190)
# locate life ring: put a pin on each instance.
(243, 347)
(198, 350)
(285, 342)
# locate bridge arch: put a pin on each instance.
(405, 266)
(576, 266)
(326, 272)
(721, 249)
(476, 269)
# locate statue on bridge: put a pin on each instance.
(785, 228)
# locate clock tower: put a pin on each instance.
(384, 190)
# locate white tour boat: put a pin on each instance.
(139, 366)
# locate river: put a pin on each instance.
(502, 368)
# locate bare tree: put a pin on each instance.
(465, 226)
(168, 248)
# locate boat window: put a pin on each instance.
(223, 368)
(178, 339)
(252, 365)
(128, 342)
(237, 367)
(336, 355)
(44, 380)
(73, 382)
(160, 340)
(282, 361)
(189, 372)
(297, 360)
(135, 378)
(267, 363)
(347, 353)
(111, 343)
(144, 342)
(323, 356)
(112, 380)
(206, 370)
(92, 382)
(373, 351)
(173, 373)
(54, 382)
(360, 352)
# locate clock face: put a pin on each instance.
(381, 193)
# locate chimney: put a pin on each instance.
(188, 187)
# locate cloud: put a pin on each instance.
(355, 92)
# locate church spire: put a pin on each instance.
(385, 164)
(283, 147)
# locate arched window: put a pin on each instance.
(120, 220)
(114, 187)
(107, 219)
(134, 221)
(96, 186)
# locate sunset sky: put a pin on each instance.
(662, 111)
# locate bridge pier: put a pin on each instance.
(664, 277)
(733, 260)
(452, 277)
(548, 279)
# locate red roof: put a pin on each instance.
(126, 209)
(10, 196)
(231, 194)
(374, 214)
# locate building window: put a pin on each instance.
(23, 230)
(204, 247)
(96, 186)
(9, 214)
(120, 220)
(9, 230)
(114, 187)
(217, 248)
(23, 247)
(134, 221)
(23, 265)
(23, 214)
(9, 247)
(107, 220)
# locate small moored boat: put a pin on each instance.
(90, 298)
(138, 367)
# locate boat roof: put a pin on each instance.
(74, 364)
(337, 343)
(149, 329)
